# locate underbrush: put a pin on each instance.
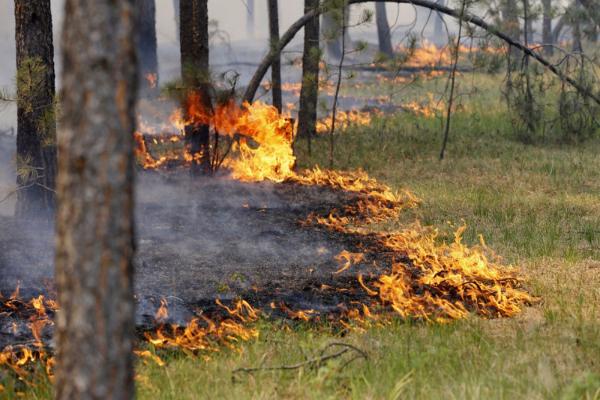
(538, 206)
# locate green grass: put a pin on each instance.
(537, 206)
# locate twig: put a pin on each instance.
(316, 361)
(469, 18)
(453, 80)
(337, 89)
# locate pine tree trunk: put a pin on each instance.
(276, 66)
(36, 134)
(309, 92)
(95, 324)
(147, 47)
(547, 37)
(383, 30)
(196, 76)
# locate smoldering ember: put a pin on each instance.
(343, 199)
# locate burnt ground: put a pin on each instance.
(208, 239)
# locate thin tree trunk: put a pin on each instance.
(512, 28)
(94, 272)
(196, 77)
(276, 66)
(250, 18)
(547, 37)
(288, 35)
(36, 133)
(383, 30)
(309, 93)
(576, 25)
(147, 47)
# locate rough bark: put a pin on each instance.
(383, 30)
(194, 46)
(95, 324)
(309, 92)
(276, 66)
(287, 37)
(547, 37)
(36, 133)
(147, 47)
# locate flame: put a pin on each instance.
(163, 312)
(204, 334)
(343, 119)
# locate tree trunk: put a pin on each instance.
(383, 30)
(196, 77)
(510, 15)
(36, 134)
(547, 37)
(576, 25)
(276, 66)
(250, 18)
(309, 92)
(147, 47)
(95, 324)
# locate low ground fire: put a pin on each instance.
(276, 243)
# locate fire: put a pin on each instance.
(343, 119)
(204, 334)
(428, 55)
(260, 140)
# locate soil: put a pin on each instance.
(199, 240)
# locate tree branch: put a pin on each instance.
(469, 18)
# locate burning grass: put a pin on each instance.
(425, 279)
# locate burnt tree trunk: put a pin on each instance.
(309, 92)
(250, 18)
(36, 133)
(274, 42)
(383, 30)
(147, 47)
(547, 37)
(193, 15)
(94, 247)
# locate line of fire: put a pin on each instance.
(188, 191)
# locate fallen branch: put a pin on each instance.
(314, 362)
(469, 18)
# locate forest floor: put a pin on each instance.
(537, 206)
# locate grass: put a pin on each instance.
(537, 206)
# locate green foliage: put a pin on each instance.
(31, 76)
